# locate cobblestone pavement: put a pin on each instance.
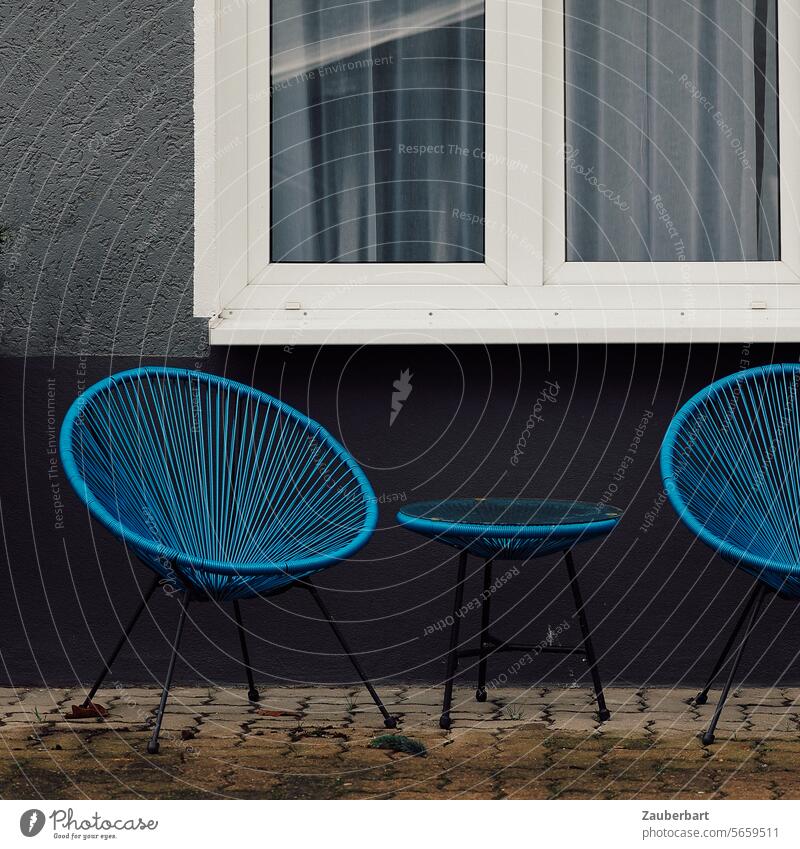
(313, 742)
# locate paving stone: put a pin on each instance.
(191, 695)
(514, 693)
(42, 695)
(623, 695)
(238, 753)
(368, 720)
(283, 724)
(321, 717)
(271, 703)
(681, 694)
(12, 693)
(772, 722)
(676, 727)
(569, 695)
(226, 711)
(668, 702)
(573, 721)
(741, 788)
(752, 695)
(425, 698)
(625, 722)
(177, 722)
(578, 707)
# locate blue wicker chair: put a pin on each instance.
(224, 492)
(731, 468)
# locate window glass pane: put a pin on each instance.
(377, 131)
(672, 130)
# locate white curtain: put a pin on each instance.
(671, 130)
(377, 131)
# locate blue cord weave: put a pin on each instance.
(218, 487)
(731, 468)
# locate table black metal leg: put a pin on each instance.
(602, 710)
(452, 655)
(485, 646)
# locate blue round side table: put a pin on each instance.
(510, 529)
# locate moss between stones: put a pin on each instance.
(399, 743)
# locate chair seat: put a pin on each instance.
(247, 581)
(505, 528)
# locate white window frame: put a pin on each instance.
(525, 291)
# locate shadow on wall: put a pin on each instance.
(423, 422)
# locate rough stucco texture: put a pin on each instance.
(96, 195)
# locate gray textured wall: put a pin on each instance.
(96, 185)
(96, 165)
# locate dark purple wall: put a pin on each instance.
(657, 598)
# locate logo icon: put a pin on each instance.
(402, 389)
(31, 822)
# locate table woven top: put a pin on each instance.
(510, 512)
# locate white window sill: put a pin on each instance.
(290, 328)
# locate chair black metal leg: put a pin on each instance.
(702, 697)
(708, 737)
(452, 655)
(152, 746)
(122, 640)
(252, 693)
(602, 711)
(388, 720)
(480, 693)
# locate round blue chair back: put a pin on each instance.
(731, 468)
(214, 483)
